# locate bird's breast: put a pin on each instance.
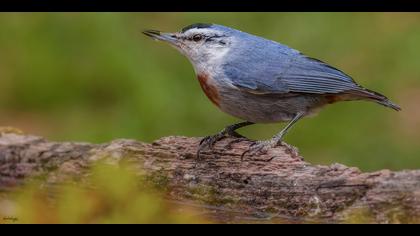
(209, 88)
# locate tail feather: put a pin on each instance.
(389, 104)
(377, 97)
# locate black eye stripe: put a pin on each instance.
(212, 38)
(206, 38)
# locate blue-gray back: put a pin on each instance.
(262, 66)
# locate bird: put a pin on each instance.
(261, 81)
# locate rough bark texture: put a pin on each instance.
(276, 185)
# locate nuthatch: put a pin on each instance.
(261, 81)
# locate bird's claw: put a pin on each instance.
(209, 141)
(259, 148)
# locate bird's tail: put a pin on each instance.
(377, 97)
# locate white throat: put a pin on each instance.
(208, 59)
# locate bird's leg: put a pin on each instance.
(228, 131)
(209, 141)
(279, 137)
(263, 146)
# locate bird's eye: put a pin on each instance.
(197, 37)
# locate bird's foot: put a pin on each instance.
(209, 141)
(260, 147)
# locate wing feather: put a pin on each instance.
(295, 73)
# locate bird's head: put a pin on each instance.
(201, 43)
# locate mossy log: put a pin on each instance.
(276, 185)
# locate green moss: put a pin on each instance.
(360, 216)
(400, 215)
(110, 195)
(158, 180)
(210, 195)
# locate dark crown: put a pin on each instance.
(196, 26)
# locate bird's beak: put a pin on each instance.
(166, 37)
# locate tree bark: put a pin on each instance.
(278, 185)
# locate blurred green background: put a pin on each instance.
(94, 77)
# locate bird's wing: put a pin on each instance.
(290, 73)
